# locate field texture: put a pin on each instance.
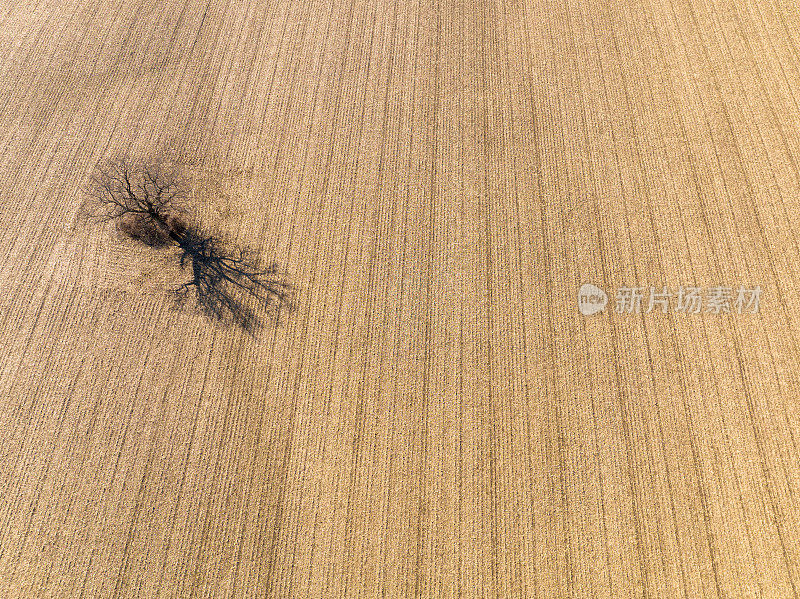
(435, 418)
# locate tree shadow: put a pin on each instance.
(229, 284)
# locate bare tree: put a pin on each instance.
(144, 200)
(227, 283)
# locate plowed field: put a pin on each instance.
(436, 417)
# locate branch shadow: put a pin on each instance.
(229, 284)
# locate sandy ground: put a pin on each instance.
(436, 418)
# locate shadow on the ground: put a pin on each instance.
(229, 284)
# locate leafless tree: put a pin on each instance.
(227, 283)
(146, 201)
